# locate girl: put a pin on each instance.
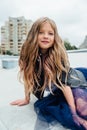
(45, 70)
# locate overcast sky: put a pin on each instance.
(69, 15)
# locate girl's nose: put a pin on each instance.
(45, 35)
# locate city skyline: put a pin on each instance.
(70, 16)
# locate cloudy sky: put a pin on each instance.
(69, 15)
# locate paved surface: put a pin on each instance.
(22, 118)
(14, 117)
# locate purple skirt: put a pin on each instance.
(53, 110)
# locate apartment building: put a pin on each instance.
(13, 34)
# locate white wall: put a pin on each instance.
(78, 59)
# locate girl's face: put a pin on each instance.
(45, 37)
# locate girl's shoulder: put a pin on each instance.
(76, 78)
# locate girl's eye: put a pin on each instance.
(40, 32)
(51, 33)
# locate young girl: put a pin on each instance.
(45, 70)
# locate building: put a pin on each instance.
(84, 44)
(13, 34)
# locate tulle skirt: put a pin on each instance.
(53, 112)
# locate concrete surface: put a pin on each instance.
(15, 117)
(23, 118)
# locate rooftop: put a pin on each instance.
(23, 118)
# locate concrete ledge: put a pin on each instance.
(9, 63)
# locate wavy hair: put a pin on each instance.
(54, 64)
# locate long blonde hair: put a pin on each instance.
(54, 64)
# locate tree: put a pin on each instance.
(68, 46)
(0, 49)
(8, 52)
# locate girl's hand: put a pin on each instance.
(20, 102)
(80, 121)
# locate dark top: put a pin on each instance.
(75, 78)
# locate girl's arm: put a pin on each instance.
(69, 98)
(22, 102)
(26, 100)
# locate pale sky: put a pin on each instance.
(69, 15)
